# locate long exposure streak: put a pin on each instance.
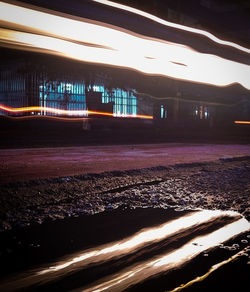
(140, 240)
(44, 117)
(174, 25)
(140, 272)
(242, 122)
(67, 112)
(96, 42)
(143, 238)
(211, 270)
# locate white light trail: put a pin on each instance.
(174, 25)
(140, 240)
(147, 269)
(101, 44)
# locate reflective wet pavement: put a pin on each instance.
(140, 249)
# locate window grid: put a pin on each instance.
(125, 101)
(12, 90)
(62, 95)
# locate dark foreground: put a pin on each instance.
(121, 264)
(45, 222)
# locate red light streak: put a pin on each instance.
(44, 117)
(68, 112)
(242, 122)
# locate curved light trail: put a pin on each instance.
(172, 24)
(96, 42)
(67, 112)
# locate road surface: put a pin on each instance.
(36, 163)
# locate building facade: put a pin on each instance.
(22, 85)
(50, 83)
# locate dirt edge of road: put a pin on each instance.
(221, 184)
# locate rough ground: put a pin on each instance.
(219, 184)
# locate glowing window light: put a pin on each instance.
(122, 100)
(162, 112)
(68, 86)
(62, 95)
(98, 88)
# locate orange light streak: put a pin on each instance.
(172, 24)
(242, 122)
(96, 42)
(68, 112)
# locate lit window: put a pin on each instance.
(68, 86)
(201, 112)
(163, 112)
(62, 95)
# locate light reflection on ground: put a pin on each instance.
(171, 260)
(200, 222)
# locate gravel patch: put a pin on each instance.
(222, 184)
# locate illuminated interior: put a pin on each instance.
(18, 90)
(72, 96)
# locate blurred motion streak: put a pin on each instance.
(210, 271)
(43, 117)
(67, 112)
(96, 42)
(174, 259)
(135, 273)
(172, 24)
(242, 122)
(145, 237)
